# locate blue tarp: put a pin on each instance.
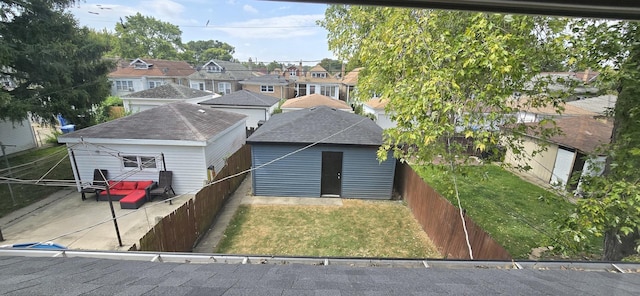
(46, 245)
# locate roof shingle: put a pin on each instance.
(315, 100)
(243, 98)
(174, 121)
(170, 91)
(158, 68)
(324, 124)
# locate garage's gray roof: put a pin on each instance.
(316, 124)
(92, 276)
(270, 79)
(169, 91)
(232, 71)
(243, 98)
(174, 121)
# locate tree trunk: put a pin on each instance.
(615, 249)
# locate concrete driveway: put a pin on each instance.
(66, 219)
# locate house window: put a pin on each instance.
(153, 84)
(329, 91)
(213, 69)
(312, 89)
(292, 72)
(124, 85)
(266, 88)
(139, 162)
(224, 87)
(140, 65)
(319, 75)
(197, 85)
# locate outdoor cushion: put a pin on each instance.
(128, 185)
(144, 184)
(133, 200)
(115, 184)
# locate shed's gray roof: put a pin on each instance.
(271, 79)
(232, 71)
(93, 276)
(243, 98)
(315, 124)
(169, 91)
(174, 121)
(598, 104)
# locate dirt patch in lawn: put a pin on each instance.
(356, 229)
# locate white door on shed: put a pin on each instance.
(562, 167)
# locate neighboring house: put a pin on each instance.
(314, 100)
(164, 94)
(257, 107)
(565, 154)
(221, 77)
(184, 138)
(318, 81)
(17, 136)
(272, 85)
(293, 72)
(139, 74)
(376, 106)
(343, 162)
(348, 84)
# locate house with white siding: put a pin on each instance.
(17, 136)
(377, 106)
(189, 140)
(138, 74)
(164, 94)
(256, 106)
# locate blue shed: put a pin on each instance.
(320, 152)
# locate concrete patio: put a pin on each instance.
(66, 219)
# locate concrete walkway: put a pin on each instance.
(243, 195)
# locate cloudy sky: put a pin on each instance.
(262, 30)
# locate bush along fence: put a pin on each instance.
(180, 230)
(441, 220)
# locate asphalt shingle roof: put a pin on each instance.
(174, 121)
(158, 68)
(170, 91)
(598, 105)
(314, 100)
(232, 71)
(582, 132)
(315, 124)
(271, 79)
(93, 276)
(243, 98)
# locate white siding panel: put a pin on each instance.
(224, 146)
(187, 163)
(384, 121)
(17, 136)
(253, 114)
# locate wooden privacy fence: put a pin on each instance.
(180, 230)
(441, 220)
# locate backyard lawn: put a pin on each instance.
(356, 229)
(31, 166)
(516, 213)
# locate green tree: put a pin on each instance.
(53, 66)
(202, 51)
(447, 75)
(146, 37)
(332, 66)
(611, 208)
(273, 65)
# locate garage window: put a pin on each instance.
(139, 162)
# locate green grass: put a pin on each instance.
(356, 229)
(517, 214)
(37, 166)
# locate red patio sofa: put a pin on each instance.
(131, 194)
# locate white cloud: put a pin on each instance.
(274, 28)
(250, 9)
(163, 9)
(232, 2)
